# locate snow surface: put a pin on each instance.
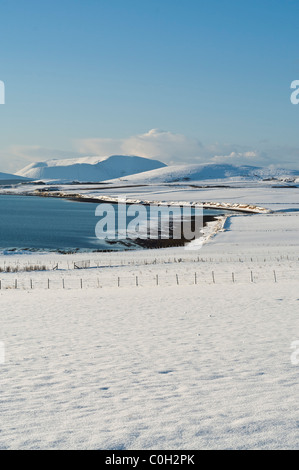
(91, 169)
(190, 367)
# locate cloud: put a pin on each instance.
(239, 158)
(164, 145)
(33, 153)
(172, 148)
(169, 147)
(99, 147)
(158, 144)
(17, 157)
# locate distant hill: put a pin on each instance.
(7, 178)
(89, 169)
(206, 172)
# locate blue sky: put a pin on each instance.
(185, 81)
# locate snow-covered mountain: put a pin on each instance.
(89, 169)
(7, 178)
(216, 172)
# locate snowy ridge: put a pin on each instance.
(89, 169)
(210, 171)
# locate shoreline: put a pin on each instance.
(212, 224)
(130, 244)
(77, 197)
(242, 208)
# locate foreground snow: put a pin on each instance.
(158, 368)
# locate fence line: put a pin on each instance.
(148, 280)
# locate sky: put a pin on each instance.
(184, 81)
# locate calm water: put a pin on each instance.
(38, 223)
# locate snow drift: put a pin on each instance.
(90, 169)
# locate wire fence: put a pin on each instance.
(150, 279)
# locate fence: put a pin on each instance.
(143, 280)
(82, 264)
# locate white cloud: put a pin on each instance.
(33, 153)
(17, 157)
(239, 158)
(173, 148)
(169, 147)
(163, 145)
(99, 147)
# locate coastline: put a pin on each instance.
(242, 208)
(212, 224)
(55, 192)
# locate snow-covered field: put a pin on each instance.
(198, 367)
(159, 349)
